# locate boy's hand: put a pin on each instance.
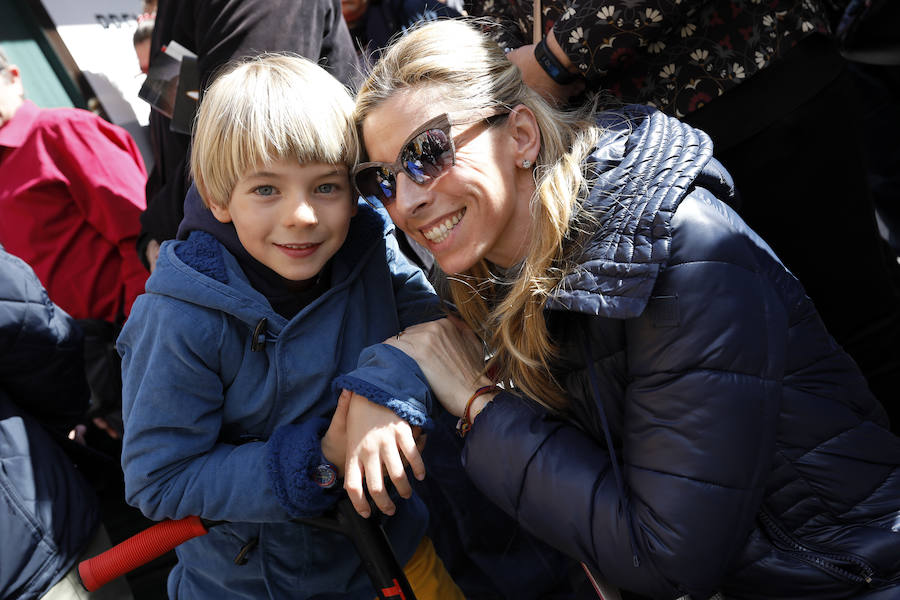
(334, 442)
(378, 441)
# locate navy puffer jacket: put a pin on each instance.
(717, 438)
(48, 512)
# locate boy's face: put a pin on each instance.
(291, 217)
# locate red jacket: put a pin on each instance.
(71, 194)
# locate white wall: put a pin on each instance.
(97, 33)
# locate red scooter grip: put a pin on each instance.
(138, 550)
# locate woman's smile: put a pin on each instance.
(441, 231)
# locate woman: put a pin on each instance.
(673, 413)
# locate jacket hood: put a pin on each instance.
(200, 270)
(644, 165)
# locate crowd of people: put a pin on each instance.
(574, 300)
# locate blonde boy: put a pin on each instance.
(229, 357)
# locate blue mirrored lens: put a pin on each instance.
(376, 184)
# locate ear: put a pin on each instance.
(14, 77)
(221, 213)
(525, 134)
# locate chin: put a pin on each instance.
(455, 264)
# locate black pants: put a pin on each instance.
(103, 368)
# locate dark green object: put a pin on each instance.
(46, 81)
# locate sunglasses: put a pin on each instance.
(424, 156)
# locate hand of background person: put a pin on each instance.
(107, 427)
(536, 77)
(450, 355)
(152, 253)
(334, 442)
(378, 441)
(77, 434)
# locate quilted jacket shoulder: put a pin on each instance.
(50, 513)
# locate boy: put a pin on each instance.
(229, 357)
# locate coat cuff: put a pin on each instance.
(387, 376)
(293, 454)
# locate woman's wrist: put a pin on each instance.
(480, 403)
(474, 405)
(468, 393)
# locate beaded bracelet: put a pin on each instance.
(465, 422)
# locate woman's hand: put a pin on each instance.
(378, 441)
(450, 355)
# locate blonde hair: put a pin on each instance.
(472, 72)
(265, 109)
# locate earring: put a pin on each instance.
(526, 163)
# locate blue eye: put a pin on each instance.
(326, 188)
(264, 190)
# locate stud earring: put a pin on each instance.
(526, 163)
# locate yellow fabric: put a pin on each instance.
(427, 576)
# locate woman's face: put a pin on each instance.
(478, 208)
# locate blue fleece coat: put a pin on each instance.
(225, 400)
(48, 512)
(717, 438)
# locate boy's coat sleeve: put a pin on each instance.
(387, 376)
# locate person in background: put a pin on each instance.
(879, 87)
(777, 66)
(661, 399)
(218, 31)
(71, 196)
(49, 514)
(143, 35)
(373, 23)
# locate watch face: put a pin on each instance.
(325, 476)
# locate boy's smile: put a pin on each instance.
(291, 217)
(298, 250)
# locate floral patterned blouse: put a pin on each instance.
(676, 55)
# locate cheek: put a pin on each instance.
(482, 186)
(244, 229)
(395, 215)
(339, 221)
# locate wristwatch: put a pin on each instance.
(325, 475)
(551, 64)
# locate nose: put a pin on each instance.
(300, 213)
(411, 197)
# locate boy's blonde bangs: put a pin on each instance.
(265, 109)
